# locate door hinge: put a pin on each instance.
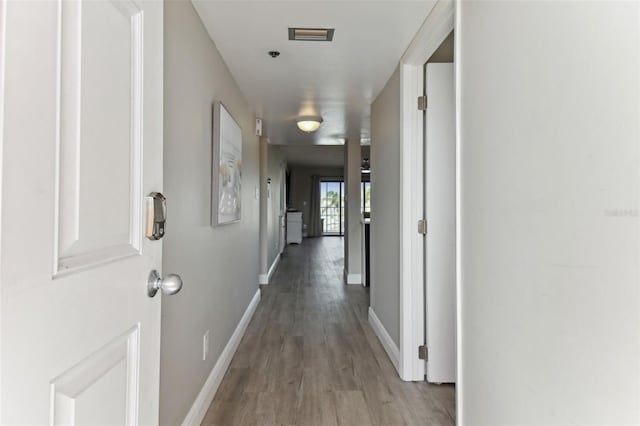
(422, 103)
(422, 226)
(423, 352)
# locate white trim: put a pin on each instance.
(265, 278)
(387, 342)
(411, 210)
(433, 32)
(354, 278)
(459, 347)
(435, 29)
(205, 397)
(3, 60)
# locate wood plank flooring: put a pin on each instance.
(309, 356)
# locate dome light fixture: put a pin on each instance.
(308, 123)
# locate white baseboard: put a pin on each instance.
(387, 342)
(265, 278)
(354, 278)
(203, 401)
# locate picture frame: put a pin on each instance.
(226, 170)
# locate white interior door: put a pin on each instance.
(82, 145)
(440, 211)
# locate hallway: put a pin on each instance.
(309, 356)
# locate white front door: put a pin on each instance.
(440, 211)
(82, 147)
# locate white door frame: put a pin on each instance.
(435, 29)
(3, 50)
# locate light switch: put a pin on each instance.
(205, 345)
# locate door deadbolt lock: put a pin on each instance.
(156, 216)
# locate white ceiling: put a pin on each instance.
(339, 79)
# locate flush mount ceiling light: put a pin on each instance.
(308, 123)
(311, 34)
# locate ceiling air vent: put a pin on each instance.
(311, 34)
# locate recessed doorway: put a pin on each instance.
(332, 207)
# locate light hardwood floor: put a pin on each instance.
(309, 356)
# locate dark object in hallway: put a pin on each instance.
(367, 251)
(309, 356)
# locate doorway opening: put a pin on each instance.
(365, 197)
(439, 210)
(332, 207)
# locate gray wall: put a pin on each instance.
(273, 203)
(301, 185)
(385, 210)
(550, 135)
(219, 265)
(353, 212)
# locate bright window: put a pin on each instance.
(365, 196)
(332, 207)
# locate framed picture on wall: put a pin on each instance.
(226, 171)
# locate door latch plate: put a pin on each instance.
(423, 352)
(422, 227)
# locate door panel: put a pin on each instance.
(100, 110)
(82, 147)
(440, 208)
(78, 394)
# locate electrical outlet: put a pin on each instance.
(205, 345)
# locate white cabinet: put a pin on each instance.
(294, 227)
